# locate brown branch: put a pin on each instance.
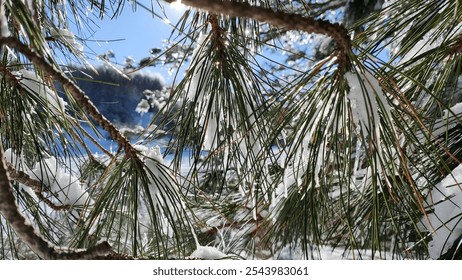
(27, 233)
(23, 229)
(74, 90)
(23, 178)
(456, 47)
(98, 251)
(216, 29)
(279, 19)
(35, 185)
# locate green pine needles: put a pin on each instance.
(294, 127)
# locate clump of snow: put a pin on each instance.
(325, 47)
(153, 161)
(453, 111)
(211, 135)
(141, 148)
(34, 85)
(66, 187)
(213, 222)
(448, 120)
(420, 47)
(201, 70)
(444, 223)
(143, 107)
(4, 30)
(208, 253)
(366, 97)
(205, 252)
(199, 93)
(66, 36)
(156, 99)
(368, 104)
(131, 131)
(155, 154)
(159, 176)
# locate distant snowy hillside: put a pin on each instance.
(116, 95)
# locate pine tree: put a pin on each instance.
(298, 125)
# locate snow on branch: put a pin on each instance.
(444, 219)
(22, 178)
(33, 84)
(4, 30)
(47, 176)
(280, 19)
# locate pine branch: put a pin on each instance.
(75, 91)
(27, 233)
(279, 19)
(13, 80)
(35, 185)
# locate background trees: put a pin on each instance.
(297, 125)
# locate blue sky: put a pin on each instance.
(133, 33)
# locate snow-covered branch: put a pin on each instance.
(27, 233)
(35, 185)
